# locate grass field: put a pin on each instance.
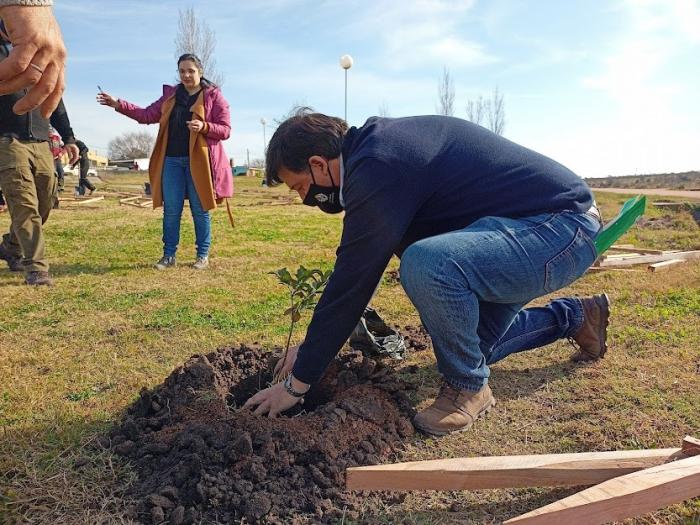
(74, 356)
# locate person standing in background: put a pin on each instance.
(57, 151)
(84, 167)
(188, 159)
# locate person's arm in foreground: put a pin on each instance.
(38, 57)
(373, 227)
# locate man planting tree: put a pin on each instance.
(482, 226)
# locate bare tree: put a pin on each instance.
(476, 110)
(195, 36)
(489, 113)
(496, 114)
(446, 94)
(132, 145)
(384, 109)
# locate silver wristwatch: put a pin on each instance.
(290, 390)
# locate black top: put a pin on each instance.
(410, 178)
(178, 132)
(30, 126)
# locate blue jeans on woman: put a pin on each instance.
(469, 287)
(177, 184)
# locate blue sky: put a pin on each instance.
(605, 87)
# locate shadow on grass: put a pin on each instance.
(506, 384)
(58, 270)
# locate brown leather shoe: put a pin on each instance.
(454, 410)
(590, 340)
(37, 278)
(13, 261)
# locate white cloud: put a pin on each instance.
(417, 33)
(646, 130)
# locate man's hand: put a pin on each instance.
(73, 154)
(284, 366)
(272, 401)
(37, 59)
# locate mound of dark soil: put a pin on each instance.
(416, 338)
(200, 459)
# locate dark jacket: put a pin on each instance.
(410, 178)
(30, 126)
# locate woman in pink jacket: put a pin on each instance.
(188, 159)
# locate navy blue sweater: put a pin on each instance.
(415, 177)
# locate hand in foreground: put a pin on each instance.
(37, 59)
(195, 125)
(284, 366)
(107, 100)
(272, 401)
(73, 154)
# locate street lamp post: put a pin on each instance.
(264, 123)
(346, 63)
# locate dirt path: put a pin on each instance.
(653, 191)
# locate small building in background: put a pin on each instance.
(96, 160)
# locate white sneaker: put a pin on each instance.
(202, 263)
(165, 262)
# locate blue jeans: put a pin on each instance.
(469, 287)
(178, 184)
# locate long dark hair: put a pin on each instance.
(205, 82)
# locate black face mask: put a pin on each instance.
(327, 199)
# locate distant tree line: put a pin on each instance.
(489, 112)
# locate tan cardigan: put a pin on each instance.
(200, 165)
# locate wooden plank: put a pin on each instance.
(596, 269)
(648, 259)
(622, 497)
(632, 249)
(549, 470)
(80, 202)
(664, 265)
(690, 446)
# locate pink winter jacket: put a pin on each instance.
(218, 121)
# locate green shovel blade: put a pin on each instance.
(630, 212)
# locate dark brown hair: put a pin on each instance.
(197, 62)
(301, 136)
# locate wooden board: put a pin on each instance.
(632, 249)
(137, 201)
(649, 259)
(690, 446)
(610, 269)
(549, 470)
(622, 497)
(665, 265)
(79, 202)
